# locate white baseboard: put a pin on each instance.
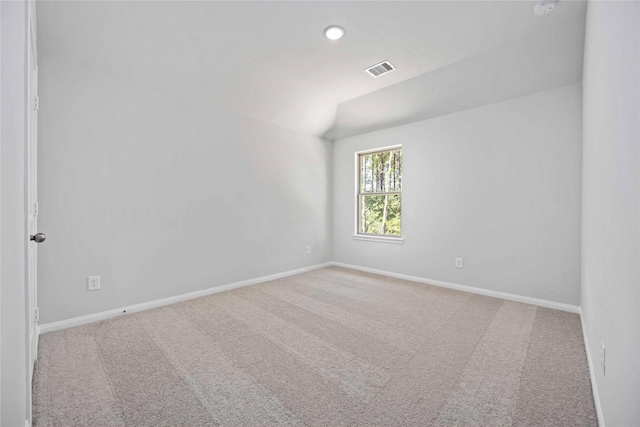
(90, 318)
(82, 320)
(592, 374)
(512, 297)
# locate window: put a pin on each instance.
(380, 193)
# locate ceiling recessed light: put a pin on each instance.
(334, 32)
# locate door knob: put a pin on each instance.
(39, 237)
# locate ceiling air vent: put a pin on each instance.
(379, 69)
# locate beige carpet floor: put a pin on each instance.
(331, 347)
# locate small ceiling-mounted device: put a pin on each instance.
(383, 67)
(334, 32)
(544, 7)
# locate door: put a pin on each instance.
(31, 209)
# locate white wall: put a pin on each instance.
(162, 196)
(497, 185)
(13, 373)
(611, 217)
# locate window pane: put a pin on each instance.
(380, 166)
(395, 171)
(366, 181)
(381, 172)
(380, 215)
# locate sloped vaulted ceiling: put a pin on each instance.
(270, 61)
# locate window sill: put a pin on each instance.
(380, 239)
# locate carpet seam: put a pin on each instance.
(375, 304)
(524, 334)
(342, 323)
(118, 401)
(304, 359)
(330, 319)
(517, 399)
(453, 292)
(413, 356)
(396, 373)
(199, 394)
(475, 347)
(249, 376)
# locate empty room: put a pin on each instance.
(320, 213)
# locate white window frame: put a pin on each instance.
(372, 237)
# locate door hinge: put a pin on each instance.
(36, 314)
(36, 103)
(35, 209)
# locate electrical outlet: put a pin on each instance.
(458, 262)
(603, 355)
(93, 283)
(308, 250)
